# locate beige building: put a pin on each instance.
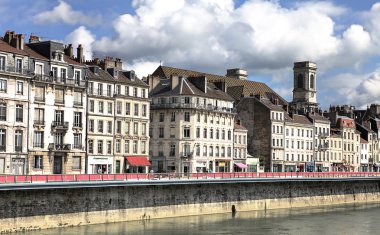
(240, 149)
(336, 150)
(351, 143)
(14, 82)
(118, 119)
(192, 124)
(57, 113)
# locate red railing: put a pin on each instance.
(176, 176)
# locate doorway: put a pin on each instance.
(18, 166)
(57, 165)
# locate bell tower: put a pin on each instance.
(305, 89)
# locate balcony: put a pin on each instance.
(193, 106)
(98, 92)
(59, 147)
(77, 126)
(74, 82)
(39, 123)
(186, 154)
(16, 70)
(323, 135)
(323, 147)
(39, 99)
(60, 125)
(59, 80)
(38, 145)
(78, 146)
(78, 103)
(18, 148)
(2, 148)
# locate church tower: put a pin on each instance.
(305, 91)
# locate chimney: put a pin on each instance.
(9, 36)
(237, 73)
(15, 42)
(153, 82)
(174, 81)
(69, 50)
(80, 57)
(33, 38)
(118, 64)
(21, 42)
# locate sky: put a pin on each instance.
(263, 37)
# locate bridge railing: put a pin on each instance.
(175, 176)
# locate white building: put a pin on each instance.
(240, 148)
(364, 156)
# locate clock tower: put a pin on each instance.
(305, 91)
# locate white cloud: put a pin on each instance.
(142, 67)
(63, 12)
(82, 36)
(367, 92)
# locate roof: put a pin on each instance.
(318, 117)
(32, 53)
(297, 119)
(239, 127)
(187, 86)
(269, 104)
(363, 141)
(124, 78)
(101, 75)
(235, 88)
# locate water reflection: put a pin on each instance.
(347, 219)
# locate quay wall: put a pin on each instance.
(41, 208)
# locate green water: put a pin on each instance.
(347, 219)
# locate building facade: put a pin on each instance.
(240, 149)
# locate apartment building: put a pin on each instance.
(299, 138)
(118, 119)
(57, 109)
(336, 149)
(192, 124)
(14, 81)
(240, 148)
(364, 156)
(321, 142)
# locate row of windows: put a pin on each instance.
(187, 116)
(298, 132)
(299, 144)
(19, 86)
(101, 128)
(277, 116)
(19, 112)
(189, 100)
(240, 139)
(38, 162)
(119, 108)
(118, 142)
(59, 117)
(18, 138)
(38, 140)
(347, 135)
(207, 133)
(107, 90)
(210, 151)
(18, 68)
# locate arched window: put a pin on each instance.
(300, 81)
(312, 81)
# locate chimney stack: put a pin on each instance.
(237, 73)
(80, 57)
(9, 36)
(69, 50)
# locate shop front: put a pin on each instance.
(253, 164)
(201, 166)
(326, 167)
(222, 166)
(290, 167)
(137, 164)
(277, 166)
(100, 165)
(240, 167)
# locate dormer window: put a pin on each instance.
(58, 55)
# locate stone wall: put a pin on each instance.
(49, 208)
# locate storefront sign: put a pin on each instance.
(200, 164)
(100, 160)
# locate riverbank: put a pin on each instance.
(62, 206)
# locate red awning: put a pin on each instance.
(241, 165)
(138, 161)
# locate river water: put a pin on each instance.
(346, 219)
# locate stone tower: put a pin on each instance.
(305, 90)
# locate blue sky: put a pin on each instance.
(264, 37)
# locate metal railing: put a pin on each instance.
(180, 176)
(63, 125)
(15, 69)
(193, 106)
(59, 147)
(59, 80)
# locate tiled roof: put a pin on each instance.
(101, 75)
(236, 88)
(8, 48)
(297, 119)
(269, 104)
(186, 87)
(123, 77)
(239, 127)
(363, 141)
(34, 54)
(72, 61)
(318, 117)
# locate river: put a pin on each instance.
(345, 219)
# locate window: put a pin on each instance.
(76, 162)
(78, 98)
(161, 132)
(39, 94)
(100, 146)
(143, 93)
(77, 119)
(172, 150)
(100, 126)
(100, 89)
(135, 92)
(92, 106)
(172, 118)
(127, 131)
(59, 96)
(127, 108)
(59, 117)
(38, 164)
(172, 132)
(3, 85)
(77, 77)
(101, 107)
(118, 89)
(187, 117)
(39, 118)
(91, 125)
(38, 139)
(186, 132)
(187, 100)
(136, 109)
(204, 150)
(2, 63)
(109, 108)
(109, 127)
(18, 140)
(118, 127)
(90, 146)
(63, 74)
(211, 151)
(186, 150)
(135, 128)
(300, 83)
(19, 65)
(143, 129)
(312, 81)
(229, 135)
(135, 147)
(205, 133)
(211, 134)
(127, 90)
(118, 107)
(90, 87)
(3, 111)
(3, 134)
(109, 147)
(198, 133)
(77, 141)
(143, 147)
(162, 117)
(109, 90)
(143, 110)
(19, 88)
(117, 146)
(126, 146)
(19, 113)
